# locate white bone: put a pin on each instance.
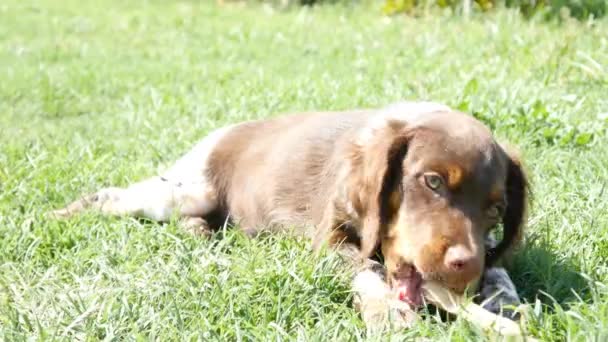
(484, 319)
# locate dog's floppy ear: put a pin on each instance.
(376, 173)
(514, 216)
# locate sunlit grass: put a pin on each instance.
(103, 93)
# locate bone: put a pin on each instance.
(378, 305)
(484, 319)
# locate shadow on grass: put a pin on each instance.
(537, 270)
(540, 273)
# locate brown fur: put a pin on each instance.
(359, 179)
(309, 170)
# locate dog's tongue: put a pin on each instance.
(409, 289)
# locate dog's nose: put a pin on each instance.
(463, 267)
(461, 259)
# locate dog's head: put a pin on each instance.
(430, 187)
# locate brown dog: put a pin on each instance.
(416, 183)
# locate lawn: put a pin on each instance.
(99, 93)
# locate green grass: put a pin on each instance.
(104, 93)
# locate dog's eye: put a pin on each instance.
(433, 181)
(495, 211)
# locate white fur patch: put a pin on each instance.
(184, 188)
(191, 192)
(193, 164)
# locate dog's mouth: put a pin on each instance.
(407, 283)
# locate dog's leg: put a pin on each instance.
(497, 293)
(379, 307)
(183, 190)
(156, 198)
(372, 298)
(197, 226)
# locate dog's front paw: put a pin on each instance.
(380, 314)
(73, 208)
(379, 308)
(498, 293)
(98, 200)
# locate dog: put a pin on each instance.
(408, 193)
